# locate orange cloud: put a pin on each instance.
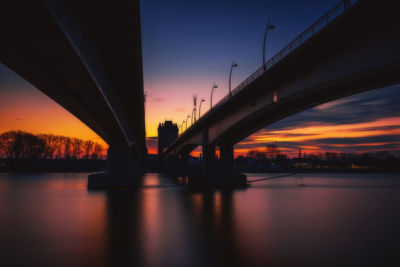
(315, 132)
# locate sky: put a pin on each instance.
(189, 45)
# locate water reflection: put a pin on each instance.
(53, 220)
(122, 237)
(177, 227)
(211, 213)
(50, 225)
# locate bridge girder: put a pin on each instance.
(94, 70)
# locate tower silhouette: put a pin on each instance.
(167, 133)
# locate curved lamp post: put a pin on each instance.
(269, 27)
(188, 116)
(212, 91)
(230, 76)
(201, 101)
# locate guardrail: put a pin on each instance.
(321, 23)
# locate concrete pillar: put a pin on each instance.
(209, 175)
(208, 151)
(226, 159)
(123, 169)
(123, 161)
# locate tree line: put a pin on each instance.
(270, 152)
(272, 157)
(23, 145)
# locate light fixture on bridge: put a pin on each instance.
(234, 65)
(275, 96)
(188, 116)
(201, 101)
(270, 26)
(212, 91)
(183, 122)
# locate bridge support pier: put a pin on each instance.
(123, 170)
(208, 160)
(209, 175)
(226, 157)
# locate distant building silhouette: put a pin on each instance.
(167, 133)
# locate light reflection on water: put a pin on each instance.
(335, 219)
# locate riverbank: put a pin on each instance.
(53, 165)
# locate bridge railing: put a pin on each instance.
(321, 23)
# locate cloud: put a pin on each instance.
(365, 107)
(333, 104)
(360, 140)
(179, 109)
(157, 99)
(361, 123)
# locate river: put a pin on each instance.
(312, 220)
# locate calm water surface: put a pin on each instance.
(333, 220)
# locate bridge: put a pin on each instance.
(352, 48)
(87, 57)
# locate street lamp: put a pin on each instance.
(212, 91)
(201, 101)
(188, 116)
(269, 27)
(230, 76)
(194, 108)
(183, 122)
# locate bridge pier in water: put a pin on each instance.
(211, 175)
(226, 157)
(208, 151)
(123, 169)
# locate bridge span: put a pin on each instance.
(87, 57)
(351, 49)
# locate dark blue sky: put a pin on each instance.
(202, 37)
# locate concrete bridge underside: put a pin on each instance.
(88, 59)
(357, 52)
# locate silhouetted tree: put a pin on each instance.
(76, 148)
(272, 151)
(257, 155)
(240, 161)
(330, 155)
(21, 145)
(87, 147)
(67, 147)
(58, 146)
(6, 144)
(97, 152)
(51, 145)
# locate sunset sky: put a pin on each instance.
(188, 45)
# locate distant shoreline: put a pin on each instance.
(52, 165)
(98, 165)
(324, 171)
